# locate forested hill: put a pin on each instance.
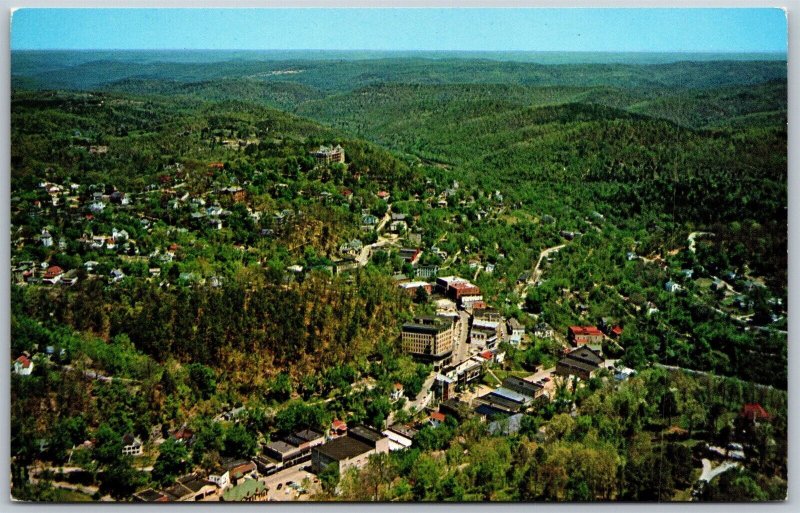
(58, 71)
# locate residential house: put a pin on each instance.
(190, 488)
(46, 239)
(411, 287)
(338, 428)
(672, 287)
(23, 366)
(515, 331)
(150, 495)
(132, 445)
(251, 490)
(410, 255)
(52, 275)
(400, 437)
(117, 275)
(397, 392)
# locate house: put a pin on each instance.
(436, 419)
(672, 287)
(117, 275)
(184, 435)
(582, 335)
(754, 412)
(69, 278)
(351, 450)
(582, 362)
(368, 220)
(542, 330)
(515, 331)
(132, 445)
(97, 206)
(398, 226)
(338, 428)
(616, 331)
(46, 239)
(489, 268)
(344, 265)
(400, 437)
(384, 195)
(23, 366)
(410, 255)
(397, 392)
(52, 275)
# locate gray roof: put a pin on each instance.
(343, 448)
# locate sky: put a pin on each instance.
(574, 30)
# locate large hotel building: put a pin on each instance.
(430, 338)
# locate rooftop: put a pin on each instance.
(344, 448)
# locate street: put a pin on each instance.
(286, 493)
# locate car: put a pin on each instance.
(545, 379)
(280, 485)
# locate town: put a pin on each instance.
(358, 280)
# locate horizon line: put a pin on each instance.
(741, 52)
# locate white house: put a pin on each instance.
(672, 287)
(131, 445)
(23, 366)
(397, 392)
(220, 477)
(46, 238)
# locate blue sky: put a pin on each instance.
(584, 30)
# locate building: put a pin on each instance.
(190, 488)
(52, 275)
(542, 330)
(397, 392)
(582, 335)
(23, 366)
(672, 287)
(329, 154)
(285, 453)
(411, 287)
(582, 362)
(345, 265)
(150, 495)
(352, 450)
(427, 271)
(444, 387)
(524, 387)
(338, 428)
(515, 331)
(410, 255)
(132, 445)
(400, 437)
(251, 490)
(46, 239)
(232, 472)
(428, 337)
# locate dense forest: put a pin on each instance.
(223, 284)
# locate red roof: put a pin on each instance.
(89, 216)
(338, 425)
(24, 361)
(52, 272)
(347, 192)
(755, 411)
(617, 330)
(487, 355)
(398, 386)
(217, 165)
(585, 330)
(383, 194)
(437, 416)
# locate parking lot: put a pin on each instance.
(291, 475)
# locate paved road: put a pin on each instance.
(710, 473)
(461, 348)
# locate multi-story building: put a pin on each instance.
(582, 335)
(428, 337)
(328, 154)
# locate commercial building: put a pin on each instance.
(328, 154)
(352, 450)
(583, 362)
(429, 338)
